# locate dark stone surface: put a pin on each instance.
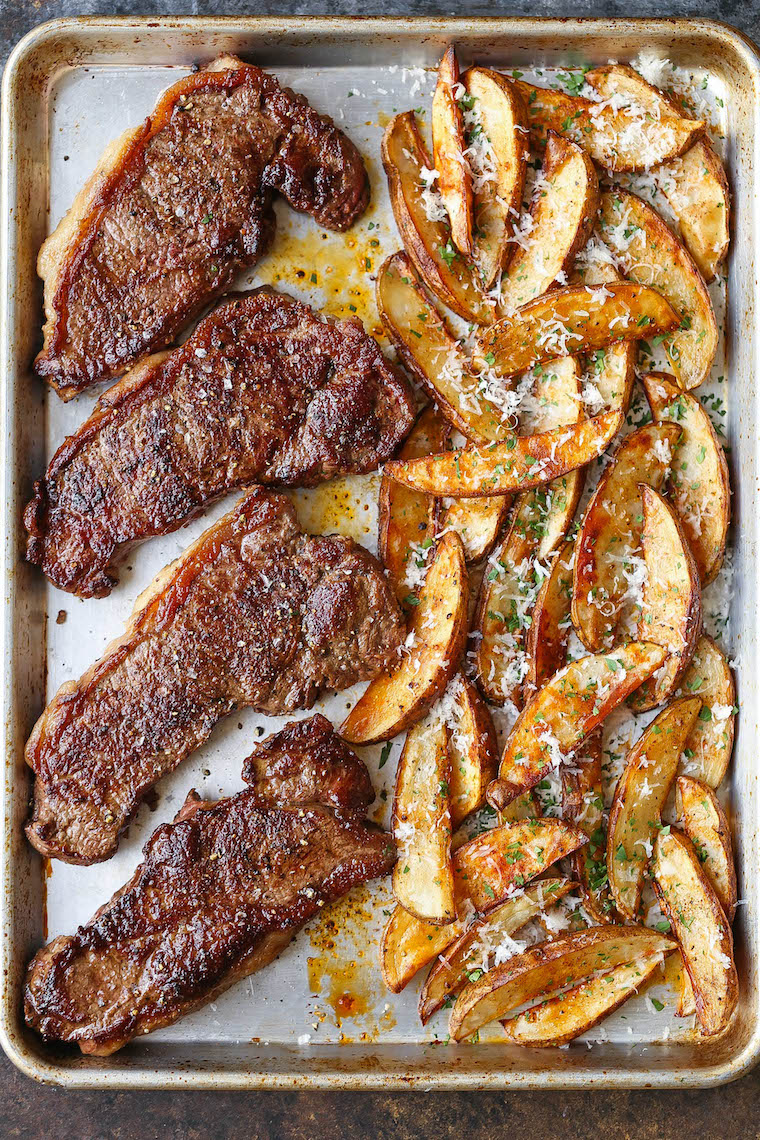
(30, 1111)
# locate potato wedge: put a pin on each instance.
(473, 752)
(398, 699)
(671, 608)
(548, 967)
(583, 805)
(699, 473)
(626, 138)
(699, 924)
(406, 519)
(423, 879)
(516, 464)
(454, 179)
(478, 523)
(555, 723)
(497, 117)
(710, 743)
(572, 319)
(640, 795)
(501, 859)
(563, 211)
(431, 353)
(649, 253)
(546, 639)
(462, 961)
(705, 823)
(607, 567)
(695, 184)
(426, 234)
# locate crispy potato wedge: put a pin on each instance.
(500, 859)
(649, 253)
(618, 138)
(640, 795)
(573, 319)
(473, 752)
(563, 211)
(478, 523)
(695, 184)
(463, 958)
(423, 879)
(546, 640)
(565, 1017)
(699, 473)
(398, 699)
(427, 239)
(699, 924)
(517, 464)
(431, 353)
(710, 743)
(510, 584)
(583, 805)
(406, 519)
(607, 545)
(671, 608)
(548, 967)
(454, 179)
(555, 723)
(497, 117)
(705, 823)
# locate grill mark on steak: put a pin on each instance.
(263, 391)
(255, 613)
(221, 891)
(176, 207)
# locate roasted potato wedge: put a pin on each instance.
(607, 545)
(699, 473)
(573, 319)
(516, 464)
(406, 519)
(462, 960)
(555, 723)
(396, 700)
(699, 924)
(478, 523)
(546, 640)
(640, 795)
(425, 233)
(583, 805)
(423, 879)
(548, 967)
(705, 823)
(618, 138)
(563, 211)
(671, 608)
(497, 117)
(431, 353)
(708, 748)
(649, 253)
(472, 751)
(454, 179)
(563, 1018)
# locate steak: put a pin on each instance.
(264, 391)
(176, 207)
(255, 613)
(220, 893)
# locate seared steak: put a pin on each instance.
(255, 613)
(176, 207)
(264, 391)
(220, 893)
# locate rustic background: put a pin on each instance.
(30, 1111)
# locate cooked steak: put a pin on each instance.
(221, 892)
(264, 391)
(255, 613)
(176, 207)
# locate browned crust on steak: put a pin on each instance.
(264, 391)
(255, 613)
(176, 207)
(220, 893)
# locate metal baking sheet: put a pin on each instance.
(319, 1017)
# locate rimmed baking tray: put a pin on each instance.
(318, 1017)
